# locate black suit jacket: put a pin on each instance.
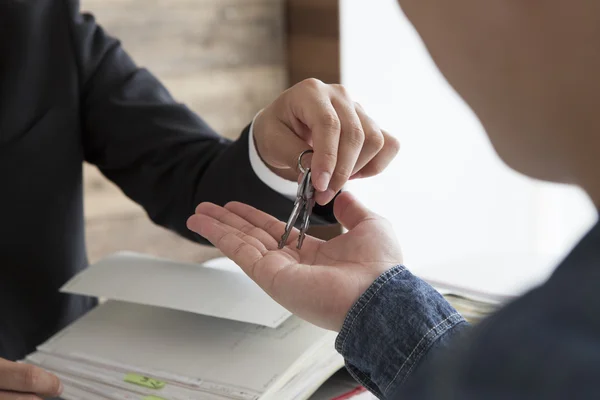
(69, 93)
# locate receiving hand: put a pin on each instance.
(320, 282)
(26, 382)
(347, 143)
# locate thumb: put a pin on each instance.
(350, 212)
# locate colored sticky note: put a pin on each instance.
(152, 398)
(144, 381)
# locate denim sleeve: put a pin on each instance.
(391, 327)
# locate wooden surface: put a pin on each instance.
(225, 59)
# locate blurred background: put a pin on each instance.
(455, 206)
(460, 213)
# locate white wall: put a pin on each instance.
(450, 197)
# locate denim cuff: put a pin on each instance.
(391, 326)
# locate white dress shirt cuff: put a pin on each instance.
(268, 177)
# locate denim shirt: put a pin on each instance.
(403, 340)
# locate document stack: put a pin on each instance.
(479, 286)
(342, 386)
(472, 310)
(173, 331)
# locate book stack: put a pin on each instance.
(173, 331)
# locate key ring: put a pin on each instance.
(300, 167)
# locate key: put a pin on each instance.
(305, 201)
(298, 208)
(309, 203)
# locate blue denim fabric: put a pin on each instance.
(402, 340)
(391, 326)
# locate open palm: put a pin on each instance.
(320, 282)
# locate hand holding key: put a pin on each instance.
(348, 144)
(320, 281)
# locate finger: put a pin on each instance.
(27, 378)
(319, 115)
(231, 242)
(381, 161)
(374, 140)
(195, 222)
(18, 396)
(350, 212)
(266, 222)
(351, 142)
(229, 218)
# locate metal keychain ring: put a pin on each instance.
(300, 167)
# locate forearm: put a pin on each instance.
(394, 325)
(231, 177)
(172, 180)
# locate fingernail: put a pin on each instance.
(60, 388)
(329, 195)
(188, 223)
(322, 181)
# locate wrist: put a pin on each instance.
(389, 329)
(285, 186)
(285, 173)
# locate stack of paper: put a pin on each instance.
(472, 310)
(177, 331)
(478, 286)
(342, 386)
(174, 331)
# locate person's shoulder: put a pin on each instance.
(36, 14)
(566, 306)
(544, 341)
(542, 345)
(37, 4)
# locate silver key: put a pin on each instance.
(305, 201)
(309, 203)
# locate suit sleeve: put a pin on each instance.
(161, 154)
